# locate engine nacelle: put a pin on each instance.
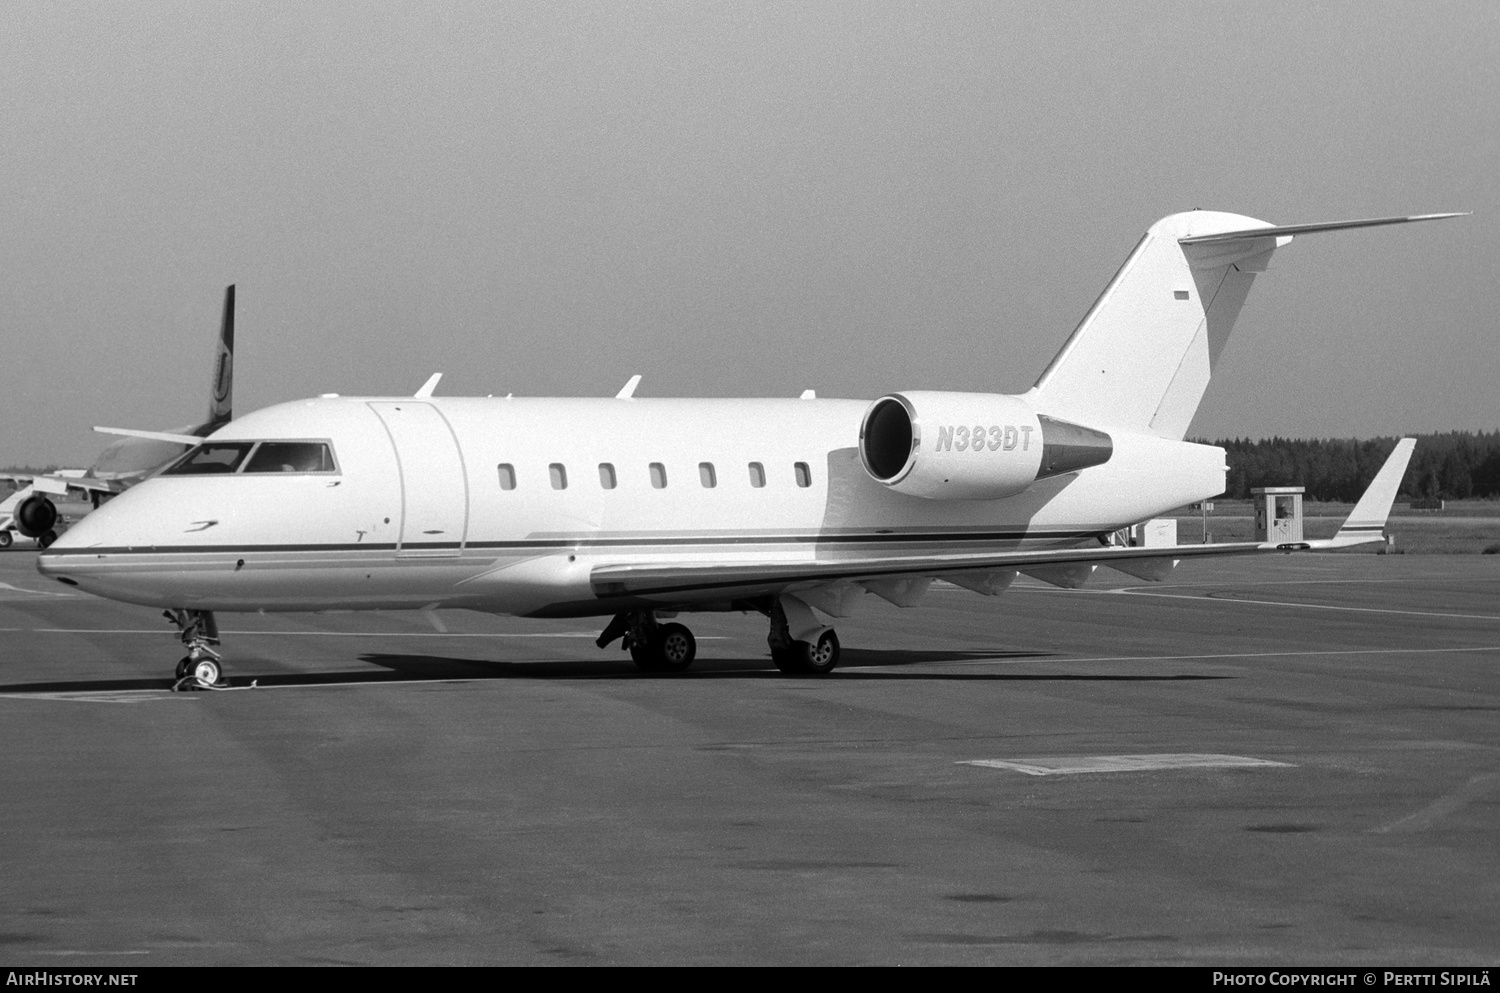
(35, 516)
(970, 446)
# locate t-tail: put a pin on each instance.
(1141, 358)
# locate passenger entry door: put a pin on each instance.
(434, 487)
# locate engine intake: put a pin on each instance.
(36, 516)
(971, 446)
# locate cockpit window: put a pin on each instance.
(217, 457)
(255, 456)
(291, 456)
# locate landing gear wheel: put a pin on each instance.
(806, 658)
(46, 540)
(675, 648)
(199, 633)
(207, 672)
(5, 539)
(670, 648)
(820, 659)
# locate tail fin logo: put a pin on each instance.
(223, 376)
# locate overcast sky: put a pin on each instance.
(732, 199)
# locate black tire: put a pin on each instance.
(645, 658)
(46, 540)
(821, 658)
(5, 539)
(786, 660)
(807, 658)
(674, 648)
(184, 666)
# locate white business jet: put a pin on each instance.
(634, 508)
(123, 463)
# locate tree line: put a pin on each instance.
(1454, 466)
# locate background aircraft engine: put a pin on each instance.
(970, 446)
(36, 516)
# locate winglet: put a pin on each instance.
(1366, 521)
(428, 387)
(627, 392)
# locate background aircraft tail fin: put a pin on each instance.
(1141, 358)
(221, 389)
(1367, 519)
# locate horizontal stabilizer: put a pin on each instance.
(1288, 230)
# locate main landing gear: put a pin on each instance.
(800, 644)
(201, 667)
(815, 653)
(654, 647)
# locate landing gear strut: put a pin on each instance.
(654, 647)
(201, 666)
(816, 656)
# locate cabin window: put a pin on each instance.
(707, 476)
(757, 475)
(804, 474)
(658, 476)
(221, 457)
(507, 476)
(291, 456)
(559, 474)
(606, 475)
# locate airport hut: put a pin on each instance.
(1278, 513)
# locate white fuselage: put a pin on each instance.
(419, 512)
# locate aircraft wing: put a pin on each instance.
(1063, 567)
(902, 577)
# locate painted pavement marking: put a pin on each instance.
(1068, 765)
(1034, 659)
(1436, 811)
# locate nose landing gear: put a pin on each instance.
(201, 667)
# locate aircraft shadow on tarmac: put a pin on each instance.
(857, 664)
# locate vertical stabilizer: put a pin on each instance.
(1142, 357)
(221, 389)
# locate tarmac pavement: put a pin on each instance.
(506, 793)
